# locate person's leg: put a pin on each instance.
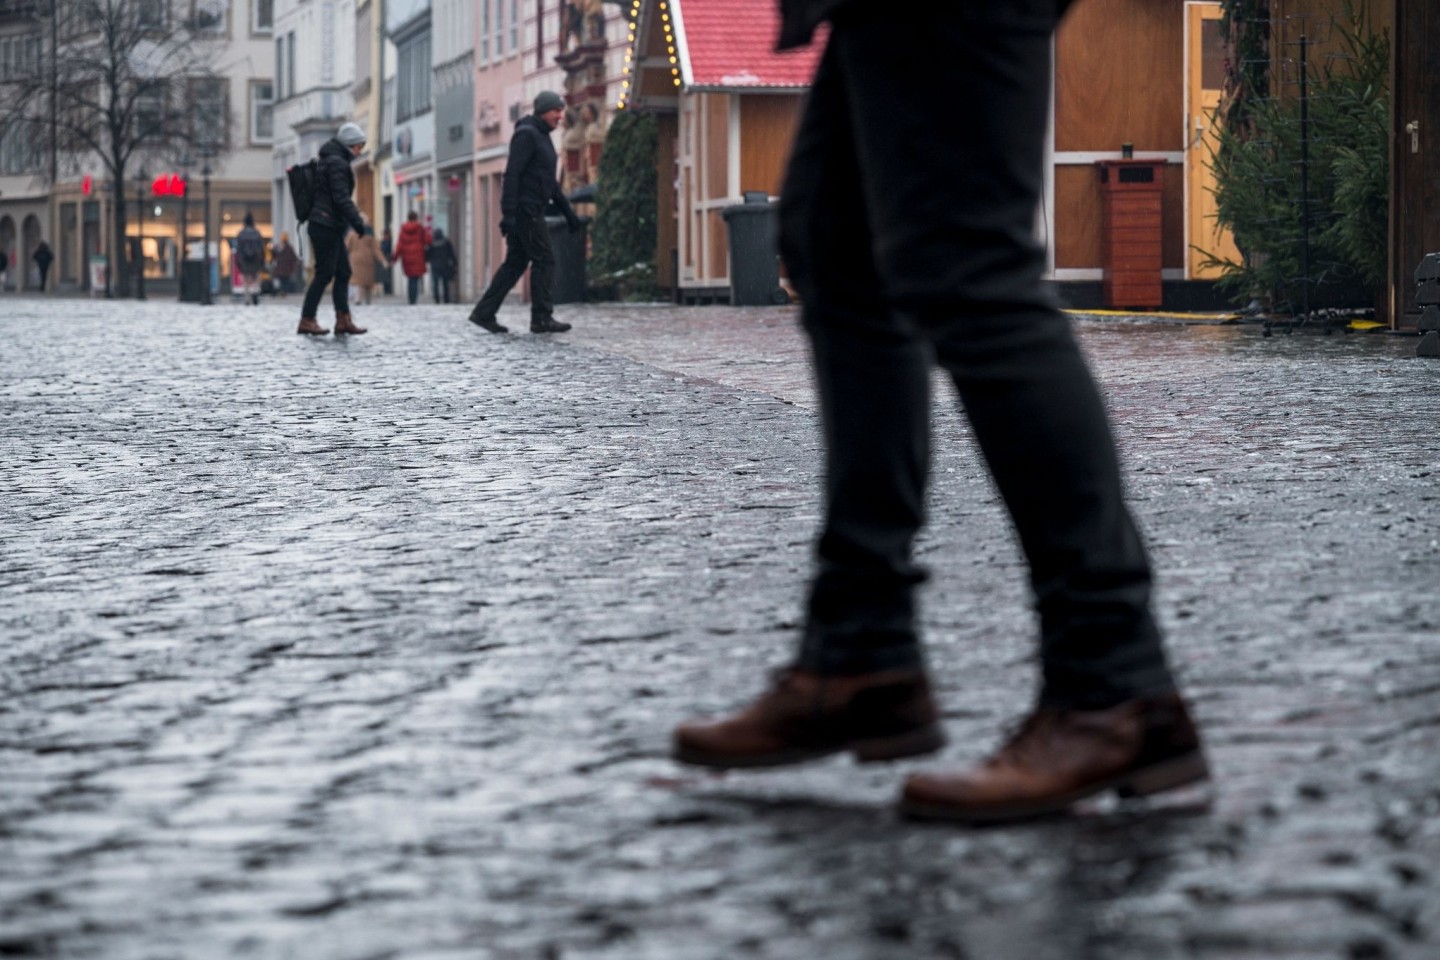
(340, 291)
(858, 682)
(328, 250)
(953, 211)
(535, 233)
(509, 274)
(412, 289)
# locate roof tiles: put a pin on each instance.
(731, 45)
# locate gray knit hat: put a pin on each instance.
(547, 100)
(350, 134)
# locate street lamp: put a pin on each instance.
(206, 153)
(140, 178)
(184, 219)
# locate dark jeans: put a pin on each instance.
(910, 237)
(441, 288)
(527, 244)
(331, 263)
(412, 289)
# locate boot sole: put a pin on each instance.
(1183, 771)
(916, 743)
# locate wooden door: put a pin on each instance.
(1205, 53)
(1415, 150)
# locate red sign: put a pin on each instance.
(86, 185)
(168, 185)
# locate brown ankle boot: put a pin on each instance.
(345, 324)
(308, 325)
(1058, 757)
(875, 716)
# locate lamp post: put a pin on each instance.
(184, 219)
(140, 233)
(205, 173)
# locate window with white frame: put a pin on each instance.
(514, 25)
(20, 148)
(485, 30)
(150, 112)
(150, 14)
(262, 111)
(290, 64)
(262, 16)
(209, 113)
(210, 16)
(412, 64)
(19, 56)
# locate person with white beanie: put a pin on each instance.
(333, 212)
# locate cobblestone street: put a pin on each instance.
(369, 648)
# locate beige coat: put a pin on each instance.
(364, 251)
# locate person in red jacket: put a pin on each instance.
(410, 252)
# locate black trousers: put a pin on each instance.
(332, 262)
(527, 244)
(441, 288)
(909, 233)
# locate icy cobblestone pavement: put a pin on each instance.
(369, 648)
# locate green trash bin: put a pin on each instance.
(754, 251)
(569, 251)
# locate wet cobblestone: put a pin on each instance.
(370, 648)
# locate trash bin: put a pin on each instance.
(569, 259)
(754, 251)
(1130, 231)
(192, 281)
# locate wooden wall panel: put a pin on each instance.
(717, 144)
(1078, 217)
(1120, 76)
(767, 128)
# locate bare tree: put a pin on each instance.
(128, 80)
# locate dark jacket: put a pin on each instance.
(333, 206)
(254, 263)
(441, 255)
(530, 184)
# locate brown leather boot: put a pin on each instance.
(875, 716)
(1058, 757)
(344, 323)
(308, 325)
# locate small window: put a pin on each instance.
(262, 111)
(279, 68)
(210, 16)
(262, 16)
(150, 14)
(209, 118)
(150, 112)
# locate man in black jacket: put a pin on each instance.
(913, 243)
(333, 213)
(530, 187)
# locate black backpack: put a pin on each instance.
(251, 249)
(304, 179)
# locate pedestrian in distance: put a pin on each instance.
(250, 259)
(410, 249)
(43, 258)
(4, 270)
(443, 264)
(387, 261)
(284, 264)
(911, 243)
(333, 214)
(364, 250)
(529, 190)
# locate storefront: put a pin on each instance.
(23, 224)
(154, 228)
